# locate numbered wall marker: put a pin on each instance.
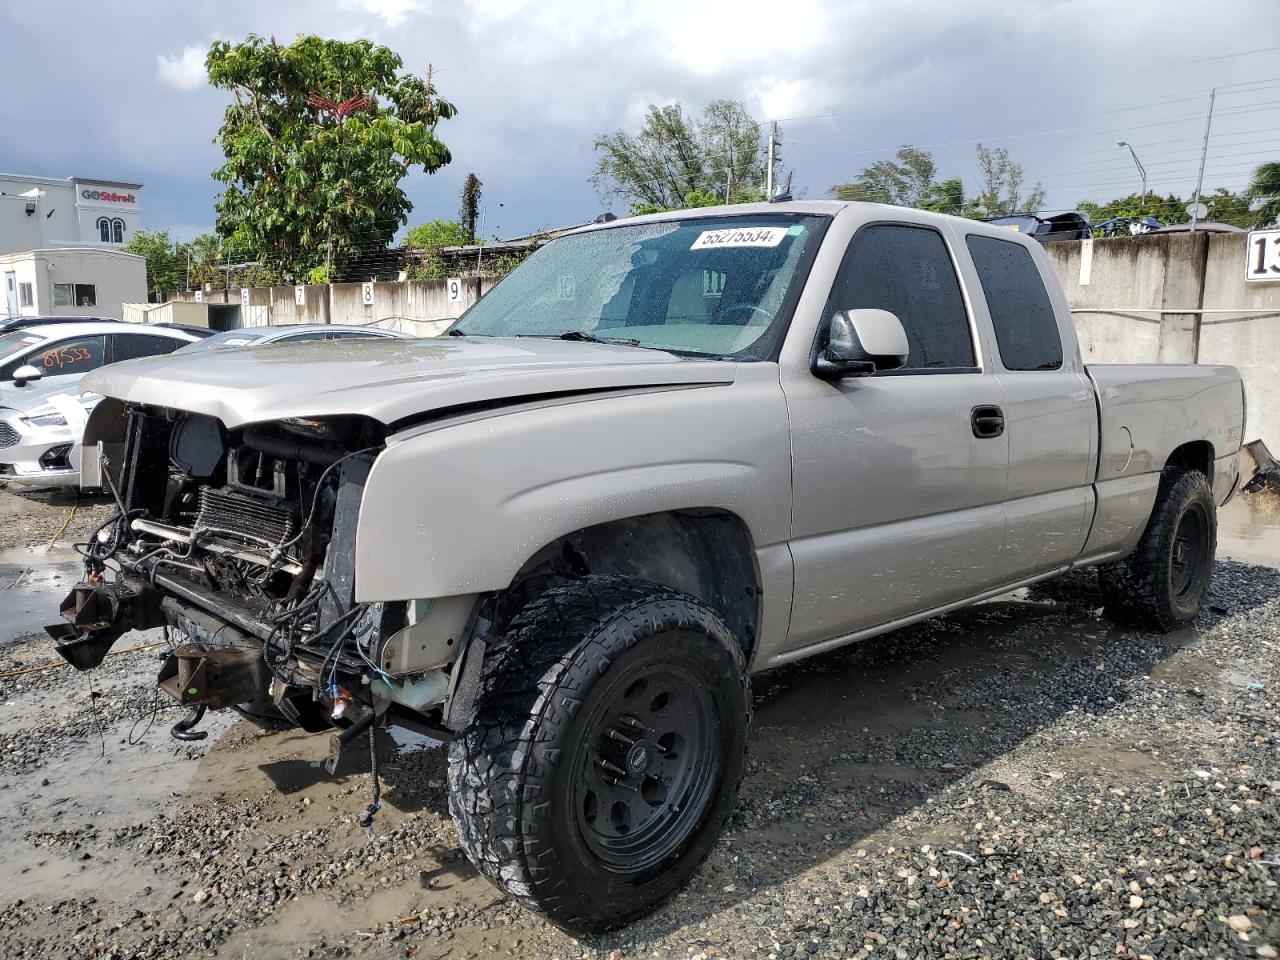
(454, 286)
(299, 296)
(366, 294)
(1262, 255)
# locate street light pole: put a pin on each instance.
(1142, 171)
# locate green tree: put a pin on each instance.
(426, 239)
(204, 253)
(469, 214)
(1168, 209)
(317, 137)
(1227, 207)
(906, 182)
(1001, 180)
(1264, 191)
(676, 159)
(692, 200)
(166, 262)
(946, 196)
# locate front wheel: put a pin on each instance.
(606, 753)
(1163, 584)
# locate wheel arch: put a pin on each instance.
(706, 553)
(1193, 455)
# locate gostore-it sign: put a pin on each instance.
(109, 195)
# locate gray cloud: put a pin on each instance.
(116, 94)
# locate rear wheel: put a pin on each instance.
(1163, 584)
(606, 753)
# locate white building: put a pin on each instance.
(60, 243)
(72, 281)
(37, 213)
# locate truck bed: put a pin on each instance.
(1145, 414)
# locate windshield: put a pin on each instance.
(11, 343)
(711, 286)
(228, 338)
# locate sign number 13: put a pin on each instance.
(1263, 254)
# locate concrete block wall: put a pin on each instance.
(1248, 340)
(1146, 273)
(421, 307)
(1137, 276)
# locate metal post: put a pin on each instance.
(1142, 171)
(1204, 152)
(768, 175)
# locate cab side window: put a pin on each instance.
(908, 271)
(64, 357)
(130, 346)
(1026, 328)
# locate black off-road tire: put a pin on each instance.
(1163, 584)
(533, 785)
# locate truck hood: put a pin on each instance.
(389, 380)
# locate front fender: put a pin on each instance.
(459, 507)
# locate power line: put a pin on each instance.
(1224, 56)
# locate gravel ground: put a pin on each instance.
(1022, 779)
(31, 518)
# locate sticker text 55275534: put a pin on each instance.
(739, 237)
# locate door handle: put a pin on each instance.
(987, 421)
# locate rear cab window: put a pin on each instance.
(1026, 327)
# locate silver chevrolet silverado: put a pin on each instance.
(661, 455)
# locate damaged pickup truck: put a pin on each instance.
(661, 455)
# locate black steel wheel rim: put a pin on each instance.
(1190, 547)
(648, 766)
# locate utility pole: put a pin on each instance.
(1204, 152)
(768, 170)
(1142, 171)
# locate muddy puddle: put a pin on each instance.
(1249, 529)
(33, 580)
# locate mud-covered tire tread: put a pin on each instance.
(494, 785)
(1136, 590)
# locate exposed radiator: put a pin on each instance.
(256, 520)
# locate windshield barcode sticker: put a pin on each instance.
(740, 237)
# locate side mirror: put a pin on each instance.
(860, 343)
(25, 374)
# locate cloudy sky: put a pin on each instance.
(117, 90)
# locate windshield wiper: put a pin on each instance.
(581, 337)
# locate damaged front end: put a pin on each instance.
(242, 543)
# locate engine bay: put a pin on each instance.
(241, 544)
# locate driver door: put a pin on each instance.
(898, 503)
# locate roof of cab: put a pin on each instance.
(828, 208)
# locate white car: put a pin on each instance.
(41, 411)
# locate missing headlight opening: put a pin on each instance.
(242, 542)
